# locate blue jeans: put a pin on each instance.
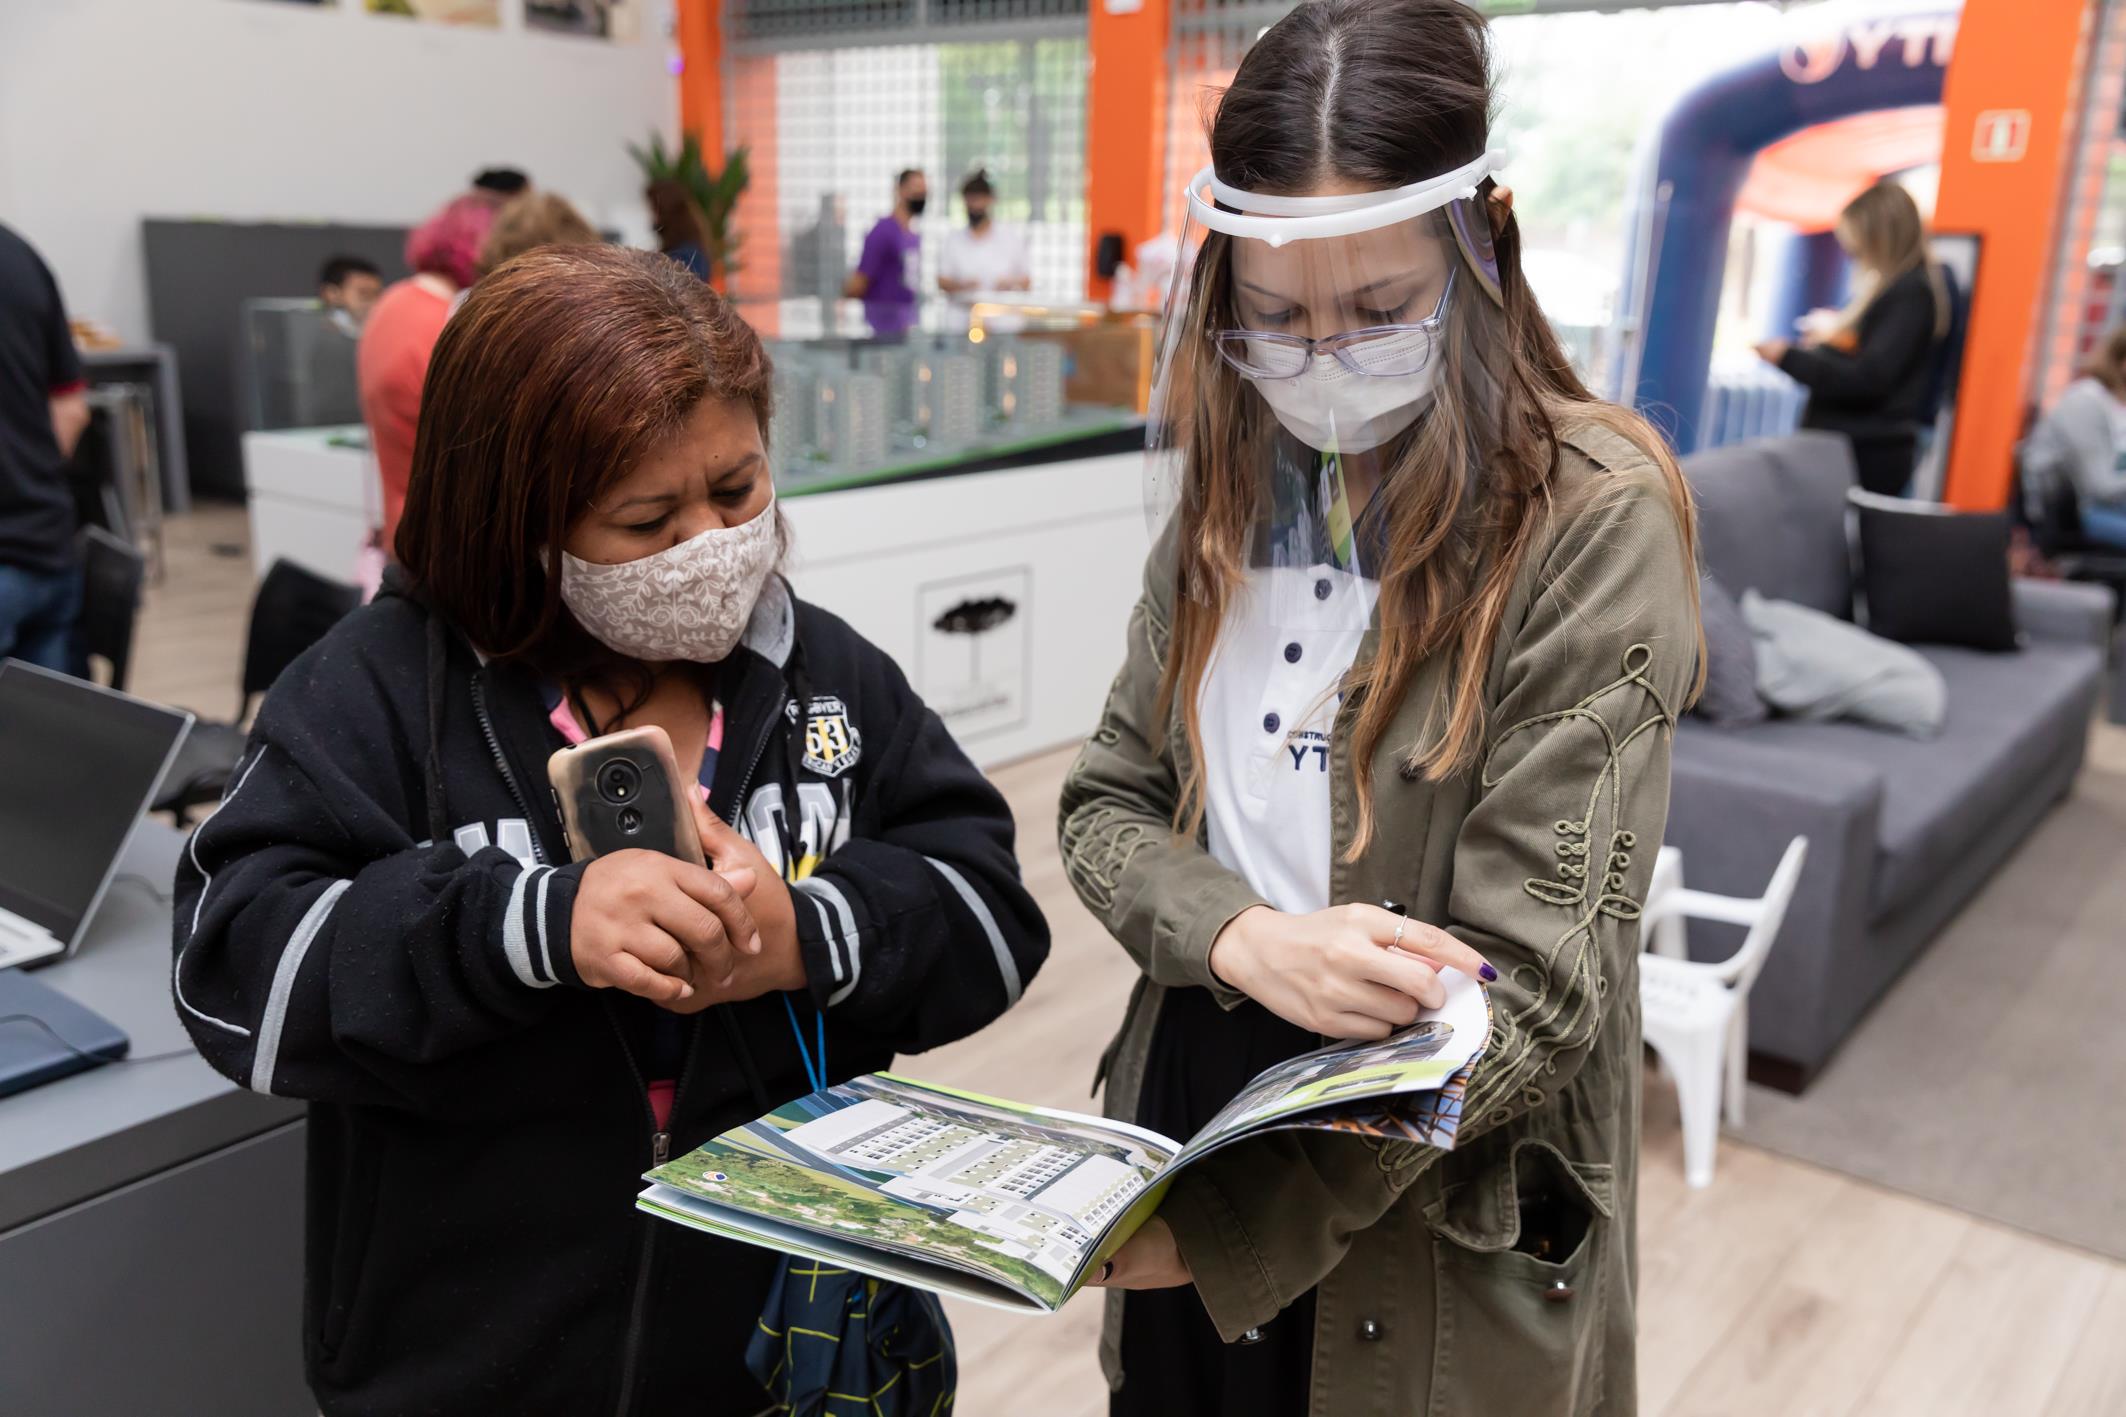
(37, 614)
(2105, 523)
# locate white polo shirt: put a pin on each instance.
(992, 260)
(1267, 707)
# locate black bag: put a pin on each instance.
(835, 1343)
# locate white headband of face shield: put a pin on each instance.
(1277, 220)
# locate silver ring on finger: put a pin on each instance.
(1400, 926)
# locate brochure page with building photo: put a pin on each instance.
(1013, 1205)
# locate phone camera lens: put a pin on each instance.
(630, 821)
(619, 781)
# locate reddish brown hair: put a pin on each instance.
(448, 243)
(559, 374)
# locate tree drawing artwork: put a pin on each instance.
(974, 619)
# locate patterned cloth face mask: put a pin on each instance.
(687, 602)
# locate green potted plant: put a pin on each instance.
(690, 203)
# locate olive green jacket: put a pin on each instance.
(1428, 1298)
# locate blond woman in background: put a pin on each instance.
(1870, 368)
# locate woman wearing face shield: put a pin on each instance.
(1398, 697)
(383, 920)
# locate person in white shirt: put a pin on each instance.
(2081, 443)
(982, 258)
(1417, 620)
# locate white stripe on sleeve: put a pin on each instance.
(1007, 967)
(546, 958)
(515, 945)
(266, 1056)
(206, 880)
(824, 893)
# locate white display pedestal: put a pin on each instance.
(310, 500)
(1004, 596)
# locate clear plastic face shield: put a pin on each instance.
(1318, 351)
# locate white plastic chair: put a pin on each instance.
(1696, 1016)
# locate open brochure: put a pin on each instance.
(1015, 1206)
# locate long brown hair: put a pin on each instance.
(1888, 238)
(1383, 93)
(561, 371)
(672, 214)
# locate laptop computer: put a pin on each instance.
(45, 1036)
(79, 765)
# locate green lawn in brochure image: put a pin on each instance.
(749, 1179)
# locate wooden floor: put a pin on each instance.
(1781, 1290)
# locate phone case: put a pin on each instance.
(622, 791)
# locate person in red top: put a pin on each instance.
(392, 360)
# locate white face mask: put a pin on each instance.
(689, 601)
(1328, 406)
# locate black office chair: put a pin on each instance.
(292, 611)
(111, 574)
(92, 476)
(2054, 520)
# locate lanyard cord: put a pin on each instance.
(815, 1067)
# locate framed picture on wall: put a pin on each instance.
(480, 14)
(596, 19)
(973, 650)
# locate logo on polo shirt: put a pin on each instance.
(832, 743)
(1308, 745)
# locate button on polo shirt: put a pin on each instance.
(1268, 706)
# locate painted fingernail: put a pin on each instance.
(1486, 973)
(1107, 1271)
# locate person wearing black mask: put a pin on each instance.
(982, 257)
(887, 273)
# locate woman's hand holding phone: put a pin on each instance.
(777, 966)
(1341, 972)
(664, 929)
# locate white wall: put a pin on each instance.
(115, 110)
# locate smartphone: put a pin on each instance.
(623, 791)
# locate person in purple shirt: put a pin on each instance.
(886, 274)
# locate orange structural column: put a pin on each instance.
(759, 277)
(1125, 126)
(2009, 107)
(700, 25)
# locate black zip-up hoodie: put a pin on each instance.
(377, 921)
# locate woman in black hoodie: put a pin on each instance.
(382, 918)
(1870, 372)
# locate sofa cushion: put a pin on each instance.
(1933, 575)
(1813, 665)
(2010, 718)
(1772, 515)
(1730, 696)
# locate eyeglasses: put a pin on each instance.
(1378, 351)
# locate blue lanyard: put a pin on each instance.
(815, 1069)
(815, 1073)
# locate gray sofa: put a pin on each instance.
(1901, 832)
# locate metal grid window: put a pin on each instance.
(836, 97)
